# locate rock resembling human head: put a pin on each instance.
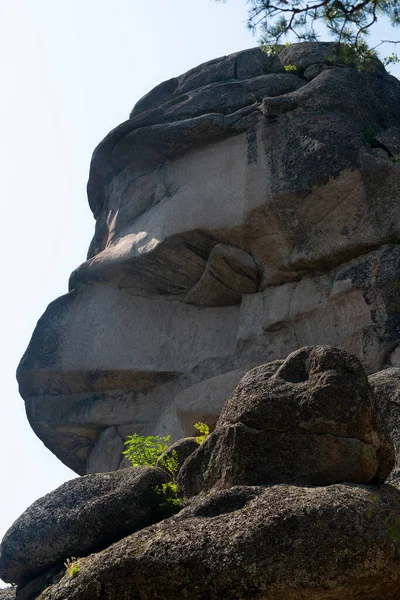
(244, 210)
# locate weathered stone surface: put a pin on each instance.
(386, 387)
(314, 70)
(81, 516)
(101, 357)
(178, 451)
(389, 140)
(7, 593)
(279, 542)
(229, 273)
(241, 65)
(305, 54)
(36, 586)
(311, 422)
(394, 357)
(106, 452)
(242, 212)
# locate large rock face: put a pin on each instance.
(273, 543)
(242, 212)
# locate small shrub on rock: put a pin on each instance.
(204, 432)
(145, 451)
(72, 566)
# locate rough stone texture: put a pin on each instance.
(229, 273)
(175, 364)
(180, 451)
(81, 516)
(7, 593)
(106, 452)
(273, 543)
(394, 357)
(304, 55)
(386, 387)
(242, 212)
(36, 586)
(389, 140)
(313, 421)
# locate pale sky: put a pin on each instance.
(71, 71)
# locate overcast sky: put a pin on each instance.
(71, 71)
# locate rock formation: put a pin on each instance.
(81, 516)
(386, 386)
(272, 511)
(245, 213)
(242, 212)
(7, 593)
(312, 422)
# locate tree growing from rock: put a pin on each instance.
(348, 21)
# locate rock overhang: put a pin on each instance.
(214, 205)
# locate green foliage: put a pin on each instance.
(147, 450)
(204, 431)
(72, 567)
(392, 59)
(347, 21)
(273, 50)
(169, 501)
(170, 463)
(359, 57)
(290, 68)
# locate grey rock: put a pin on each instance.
(306, 54)
(314, 70)
(179, 451)
(312, 422)
(7, 593)
(241, 65)
(81, 516)
(277, 542)
(229, 273)
(224, 98)
(157, 317)
(36, 586)
(106, 452)
(320, 94)
(394, 358)
(389, 140)
(156, 366)
(386, 387)
(272, 107)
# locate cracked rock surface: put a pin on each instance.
(386, 387)
(311, 420)
(81, 516)
(242, 212)
(278, 543)
(285, 500)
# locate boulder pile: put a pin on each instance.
(285, 500)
